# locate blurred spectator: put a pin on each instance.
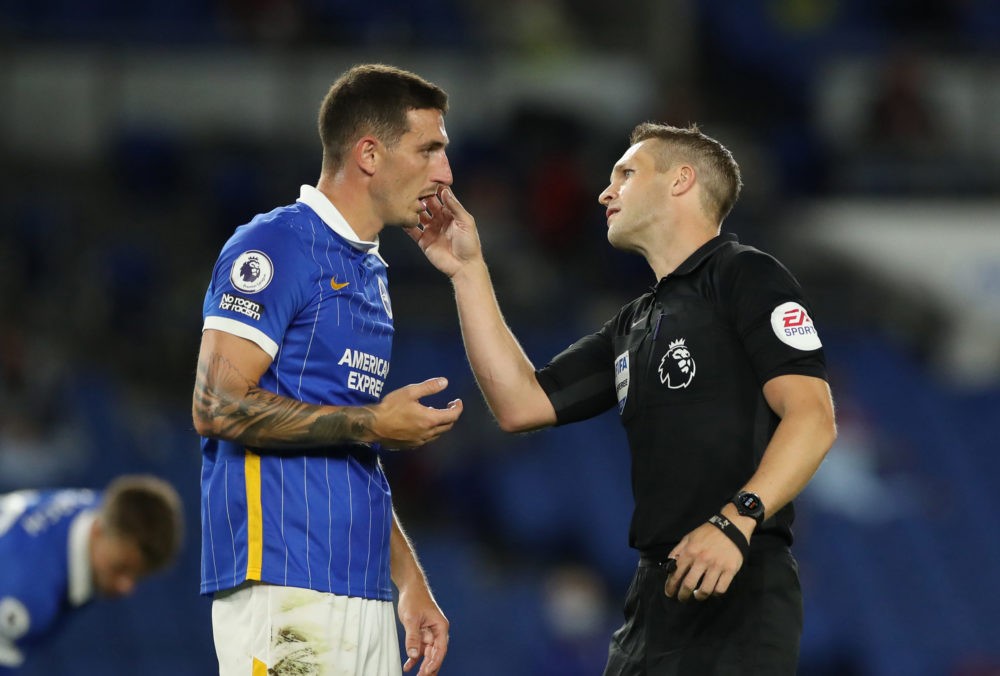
(902, 122)
(40, 438)
(577, 621)
(853, 483)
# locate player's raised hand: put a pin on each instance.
(448, 235)
(401, 421)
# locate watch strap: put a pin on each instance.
(730, 530)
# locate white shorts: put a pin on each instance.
(263, 630)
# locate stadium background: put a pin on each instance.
(134, 136)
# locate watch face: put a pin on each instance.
(749, 504)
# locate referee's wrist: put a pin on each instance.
(735, 535)
(746, 524)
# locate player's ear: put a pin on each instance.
(366, 154)
(100, 529)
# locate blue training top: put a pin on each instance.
(44, 564)
(300, 284)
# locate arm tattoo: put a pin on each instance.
(241, 411)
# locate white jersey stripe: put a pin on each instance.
(240, 329)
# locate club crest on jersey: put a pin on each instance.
(384, 292)
(677, 367)
(794, 327)
(252, 271)
(621, 380)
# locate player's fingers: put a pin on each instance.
(413, 646)
(440, 420)
(428, 387)
(440, 649)
(430, 664)
(433, 657)
(436, 432)
(450, 414)
(442, 428)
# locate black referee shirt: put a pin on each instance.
(685, 363)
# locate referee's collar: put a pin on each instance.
(703, 252)
(318, 202)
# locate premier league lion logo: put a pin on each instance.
(250, 270)
(677, 366)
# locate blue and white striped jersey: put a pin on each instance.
(300, 284)
(44, 564)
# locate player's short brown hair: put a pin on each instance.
(372, 99)
(147, 511)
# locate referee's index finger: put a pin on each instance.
(450, 201)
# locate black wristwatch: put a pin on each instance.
(749, 504)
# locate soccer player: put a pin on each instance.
(299, 538)
(719, 378)
(59, 548)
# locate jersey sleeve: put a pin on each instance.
(773, 318)
(258, 285)
(15, 581)
(580, 380)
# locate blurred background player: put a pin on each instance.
(62, 548)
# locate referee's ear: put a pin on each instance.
(684, 179)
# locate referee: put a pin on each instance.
(719, 377)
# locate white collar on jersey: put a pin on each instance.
(324, 208)
(81, 576)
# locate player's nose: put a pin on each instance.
(442, 171)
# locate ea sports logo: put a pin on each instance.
(251, 272)
(794, 327)
(677, 367)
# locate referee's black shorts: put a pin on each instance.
(751, 630)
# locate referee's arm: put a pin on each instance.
(505, 374)
(806, 432)
(707, 561)
(449, 238)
